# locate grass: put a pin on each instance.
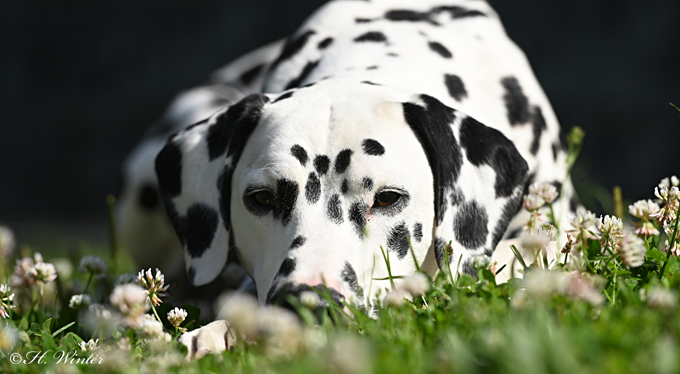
(591, 315)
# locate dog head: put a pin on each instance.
(311, 185)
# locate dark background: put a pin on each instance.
(80, 81)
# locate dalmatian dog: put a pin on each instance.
(389, 125)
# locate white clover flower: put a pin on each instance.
(280, 331)
(45, 272)
(632, 251)
(548, 230)
(8, 337)
(79, 301)
(673, 182)
(675, 246)
(535, 243)
(5, 301)
(545, 190)
(130, 299)
(155, 285)
(240, 310)
(533, 202)
(642, 209)
(89, 346)
(177, 316)
(99, 311)
(25, 273)
(661, 298)
(94, 265)
(583, 221)
(611, 229)
(480, 262)
(348, 354)
(309, 299)
(671, 199)
(150, 329)
(7, 242)
(541, 284)
(610, 225)
(396, 297)
(416, 284)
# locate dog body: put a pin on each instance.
(356, 149)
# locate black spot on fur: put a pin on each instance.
(410, 16)
(313, 188)
(373, 147)
(342, 160)
(374, 67)
(287, 267)
(432, 126)
(249, 75)
(191, 274)
(295, 82)
(298, 242)
(321, 164)
(397, 241)
(509, 210)
(456, 197)
(455, 86)
(439, 254)
(350, 277)
(357, 215)
(325, 43)
(298, 152)
(485, 145)
(371, 36)
(538, 125)
(371, 83)
(555, 150)
(558, 187)
(574, 203)
(224, 186)
(169, 170)
(516, 103)
(283, 97)
(344, 187)
(148, 197)
(234, 126)
(334, 209)
(363, 20)
(418, 231)
(458, 11)
(392, 54)
(470, 225)
(286, 197)
(440, 49)
(468, 269)
(201, 223)
(367, 183)
(292, 47)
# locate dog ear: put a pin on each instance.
(194, 172)
(478, 180)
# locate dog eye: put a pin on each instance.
(265, 198)
(386, 198)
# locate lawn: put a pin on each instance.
(610, 306)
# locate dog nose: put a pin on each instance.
(283, 295)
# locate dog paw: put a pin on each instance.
(211, 338)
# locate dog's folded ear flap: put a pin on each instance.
(478, 175)
(194, 172)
